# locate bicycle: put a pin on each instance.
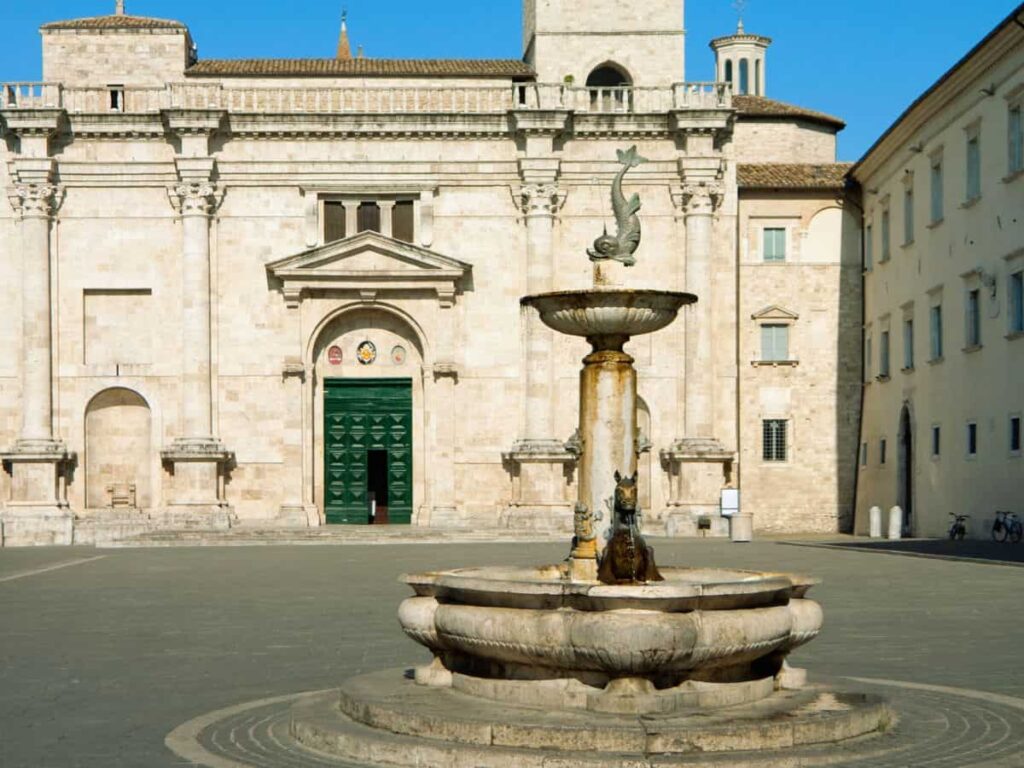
(958, 528)
(1007, 526)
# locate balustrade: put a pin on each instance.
(368, 100)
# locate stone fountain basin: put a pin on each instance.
(519, 622)
(609, 311)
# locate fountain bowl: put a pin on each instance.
(708, 625)
(608, 311)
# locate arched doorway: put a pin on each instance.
(905, 471)
(117, 450)
(609, 86)
(368, 417)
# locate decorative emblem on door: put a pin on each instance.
(366, 353)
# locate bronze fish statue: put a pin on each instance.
(627, 240)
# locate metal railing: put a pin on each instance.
(367, 100)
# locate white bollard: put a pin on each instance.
(875, 517)
(895, 523)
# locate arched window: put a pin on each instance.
(744, 77)
(728, 71)
(609, 86)
(757, 77)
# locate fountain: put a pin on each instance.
(605, 657)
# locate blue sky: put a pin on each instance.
(864, 61)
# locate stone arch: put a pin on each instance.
(644, 461)
(387, 328)
(118, 426)
(728, 75)
(607, 83)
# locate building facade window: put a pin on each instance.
(936, 441)
(1016, 140)
(334, 221)
(886, 236)
(1015, 436)
(863, 454)
(882, 446)
(774, 244)
(867, 358)
(973, 166)
(972, 439)
(883, 356)
(1016, 297)
(869, 247)
(973, 318)
(935, 322)
(937, 212)
(908, 344)
(774, 439)
(908, 214)
(744, 76)
(774, 343)
(341, 218)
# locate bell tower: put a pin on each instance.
(740, 60)
(639, 44)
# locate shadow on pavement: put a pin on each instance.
(1005, 553)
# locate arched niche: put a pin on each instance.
(400, 355)
(609, 85)
(744, 77)
(728, 71)
(117, 447)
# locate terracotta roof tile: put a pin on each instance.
(792, 175)
(114, 21)
(760, 106)
(361, 67)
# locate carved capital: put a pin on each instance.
(195, 198)
(35, 200)
(700, 197)
(541, 199)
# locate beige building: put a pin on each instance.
(286, 292)
(943, 324)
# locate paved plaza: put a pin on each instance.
(104, 652)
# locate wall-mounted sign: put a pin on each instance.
(366, 353)
(334, 355)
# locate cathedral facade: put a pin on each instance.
(286, 292)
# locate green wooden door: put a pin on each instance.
(362, 415)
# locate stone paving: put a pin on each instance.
(101, 658)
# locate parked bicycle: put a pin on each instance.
(1007, 526)
(958, 528)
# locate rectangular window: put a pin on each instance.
(774, 342)
(973, 318)
(972, 439)
(973, 168)
(1016, 140)
(869, 247)
(1016, 291)
(774, 244)
(908, 215)
(867, 359)
(936, 331)
(773, 439)
(883, 358)
(116, 93)
(1015, 434)
(908, 344)
(402, 223)
(863, 454)
(886, 233)
(937, 192)
(368, 217)
(881, 451)
(334, 221)
(936, 441)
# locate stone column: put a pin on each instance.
(699, 465)
(197, 458)
(440, 384)
(538, 460)
(387, 217)
(37, 512)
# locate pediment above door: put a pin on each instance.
(368, 264)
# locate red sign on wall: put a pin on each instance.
(334, 355)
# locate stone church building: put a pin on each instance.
(273, 292)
